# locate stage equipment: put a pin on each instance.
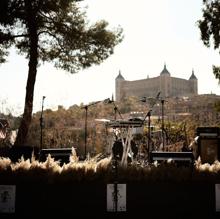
(59, 154)
(208, 144)
(180, 158)
(116, 110)
(124, 133)
(86, 117)
(152, 101)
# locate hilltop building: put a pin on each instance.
(167, 85)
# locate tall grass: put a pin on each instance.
(101, 170)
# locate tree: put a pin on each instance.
(52, 31)
(209, 27)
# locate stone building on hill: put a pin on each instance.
(167, 85)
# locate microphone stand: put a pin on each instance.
(149, 131)
(162, 122)
(162, 125)
(108, 101)
(41, 124)
(86, 116)
(154, 100)
(116, 110)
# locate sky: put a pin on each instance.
(155, 33)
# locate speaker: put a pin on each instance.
(180, 158)
(208, 131)
(208, 149)
(59, 154)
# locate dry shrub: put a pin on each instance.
(52, 165)
(73, 156)
(5, 163)
(22, 164)
(206, 167)
(99, 169)
(103, 164)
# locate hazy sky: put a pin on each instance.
(155, 32)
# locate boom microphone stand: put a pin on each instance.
(162, 126)
(152, 101)
(86, 116)
(41, 124)
(162, 123)
(149, 131)
(115, 158)
(115, 108)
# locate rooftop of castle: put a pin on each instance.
(165, 71)
(120, 76)
(192, 76)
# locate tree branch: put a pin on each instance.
(47, 32)
(20, 35)
(8, 37)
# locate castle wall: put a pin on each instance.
(119, 89)
(165, 85)
(194, 86)
(169, 87)
(180, 87)
(140, 88)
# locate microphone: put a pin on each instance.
(107, 101)
(149, 113)
(157, 97)
(143, 99)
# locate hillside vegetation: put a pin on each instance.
(66, 127)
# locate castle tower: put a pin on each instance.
(193, 83)
(165, 82)
(118, 86)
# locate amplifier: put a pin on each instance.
(208, 149)
(59, 154)
(208, 131)
(181, 158)
(208, 143)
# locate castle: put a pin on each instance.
(149, 87)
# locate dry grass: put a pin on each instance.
(206, 167)
(100, 170)
(5, 163)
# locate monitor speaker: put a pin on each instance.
(208, 149)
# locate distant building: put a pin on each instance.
(167, 85)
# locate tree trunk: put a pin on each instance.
(32, 72)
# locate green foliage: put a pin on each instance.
(216, 71)
(65, 127)
(52, 31)
(62, 32)
(209, 27)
